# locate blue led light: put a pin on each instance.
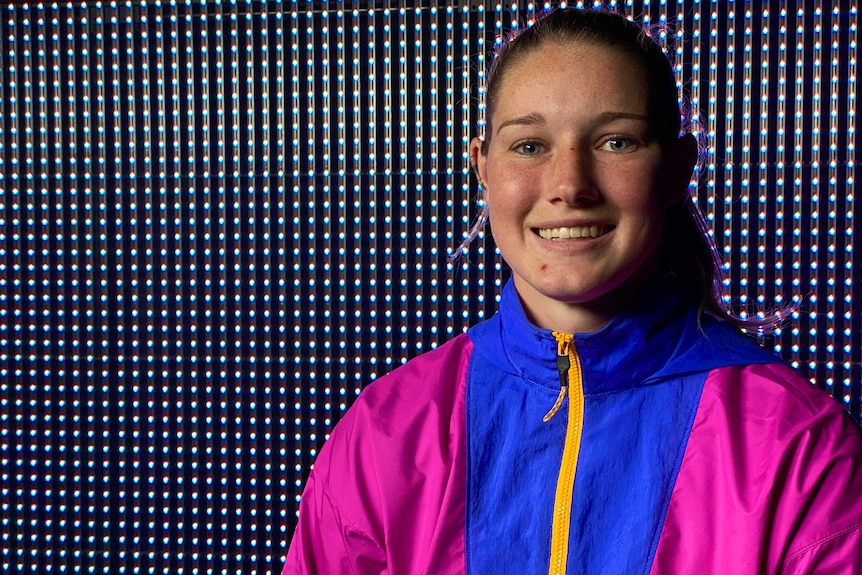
(220, 220)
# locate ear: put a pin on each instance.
(681, 161)
(478, 161)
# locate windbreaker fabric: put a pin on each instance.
(699, 453)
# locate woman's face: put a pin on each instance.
(576, 183)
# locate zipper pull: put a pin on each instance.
(563, 365)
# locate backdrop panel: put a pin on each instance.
(220, 220)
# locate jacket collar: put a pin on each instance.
(656, 337)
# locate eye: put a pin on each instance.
(528, 148)
(618, 144)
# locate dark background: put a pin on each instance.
(220, 220)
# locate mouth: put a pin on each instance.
(574, 232)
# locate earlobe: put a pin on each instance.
(478, 160)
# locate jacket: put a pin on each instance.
(666, 443)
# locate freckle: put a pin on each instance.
(543, 267)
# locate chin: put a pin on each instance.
(589, 292)
(574, 295)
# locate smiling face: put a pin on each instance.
(576, 183)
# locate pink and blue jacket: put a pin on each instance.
(665, 443)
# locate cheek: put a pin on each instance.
(641, 195)
(509, 194)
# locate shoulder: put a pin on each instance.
(773, 413)
(400, 448)
(773, 393)
(771, 461)
(398, 412)
(797, 448)
(432, 376)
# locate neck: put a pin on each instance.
(566, 317)
(585, 316)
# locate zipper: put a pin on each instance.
(571, 383)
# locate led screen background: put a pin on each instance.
(220, 220)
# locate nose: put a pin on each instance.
(573, 180)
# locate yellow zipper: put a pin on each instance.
(569, 366)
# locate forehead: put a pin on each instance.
(574, 73)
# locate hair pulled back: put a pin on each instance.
(687, 247)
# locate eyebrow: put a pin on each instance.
(536, 119)
(527, 120)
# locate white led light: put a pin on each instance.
(220, 220)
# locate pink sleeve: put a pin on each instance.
(769, 483)
(325, 542)
(839, 553)
(826, 475)
(387, 492)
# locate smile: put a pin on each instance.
(574, 233)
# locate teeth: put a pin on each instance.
(574, 232)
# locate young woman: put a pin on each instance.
(609, 418)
